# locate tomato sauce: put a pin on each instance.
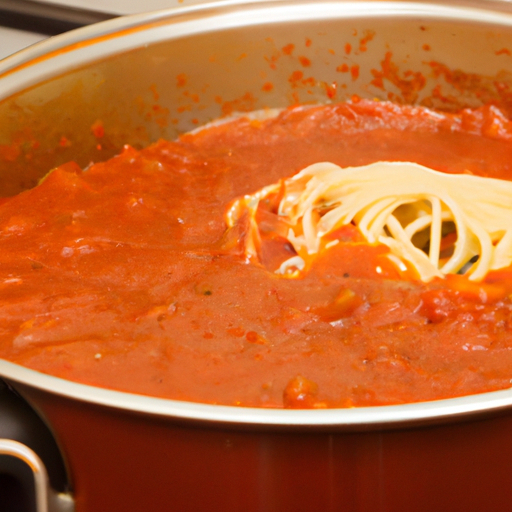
(123, 275)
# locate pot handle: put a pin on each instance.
(45, 498)
(32, 471)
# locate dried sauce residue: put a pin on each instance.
(462, 89)
(10, 152)
(97, 129)
(295, 78)
(245, 103)
(288, 49)
(354, 71)
(305, 62)
(363, 42)
(193, 96)
(160, 115)
(331, 90)
(272, 60)
(154, 90)
(503, 51)
(408, 82)
(64, 142)
(181, 80)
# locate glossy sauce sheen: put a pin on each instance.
(123, 275)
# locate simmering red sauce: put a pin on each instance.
(123, 275)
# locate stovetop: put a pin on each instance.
(24, 22)
(12, 40)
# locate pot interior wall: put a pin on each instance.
(145, 92)
(253, 60)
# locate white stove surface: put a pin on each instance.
(119, 6)
(12, 40)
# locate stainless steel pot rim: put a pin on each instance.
(359, 417)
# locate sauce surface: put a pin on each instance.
(124, 275)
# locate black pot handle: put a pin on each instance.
(33, 475)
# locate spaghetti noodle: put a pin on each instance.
(412, 209)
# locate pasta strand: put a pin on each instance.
(391, 202)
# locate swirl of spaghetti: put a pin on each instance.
(412, 209)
